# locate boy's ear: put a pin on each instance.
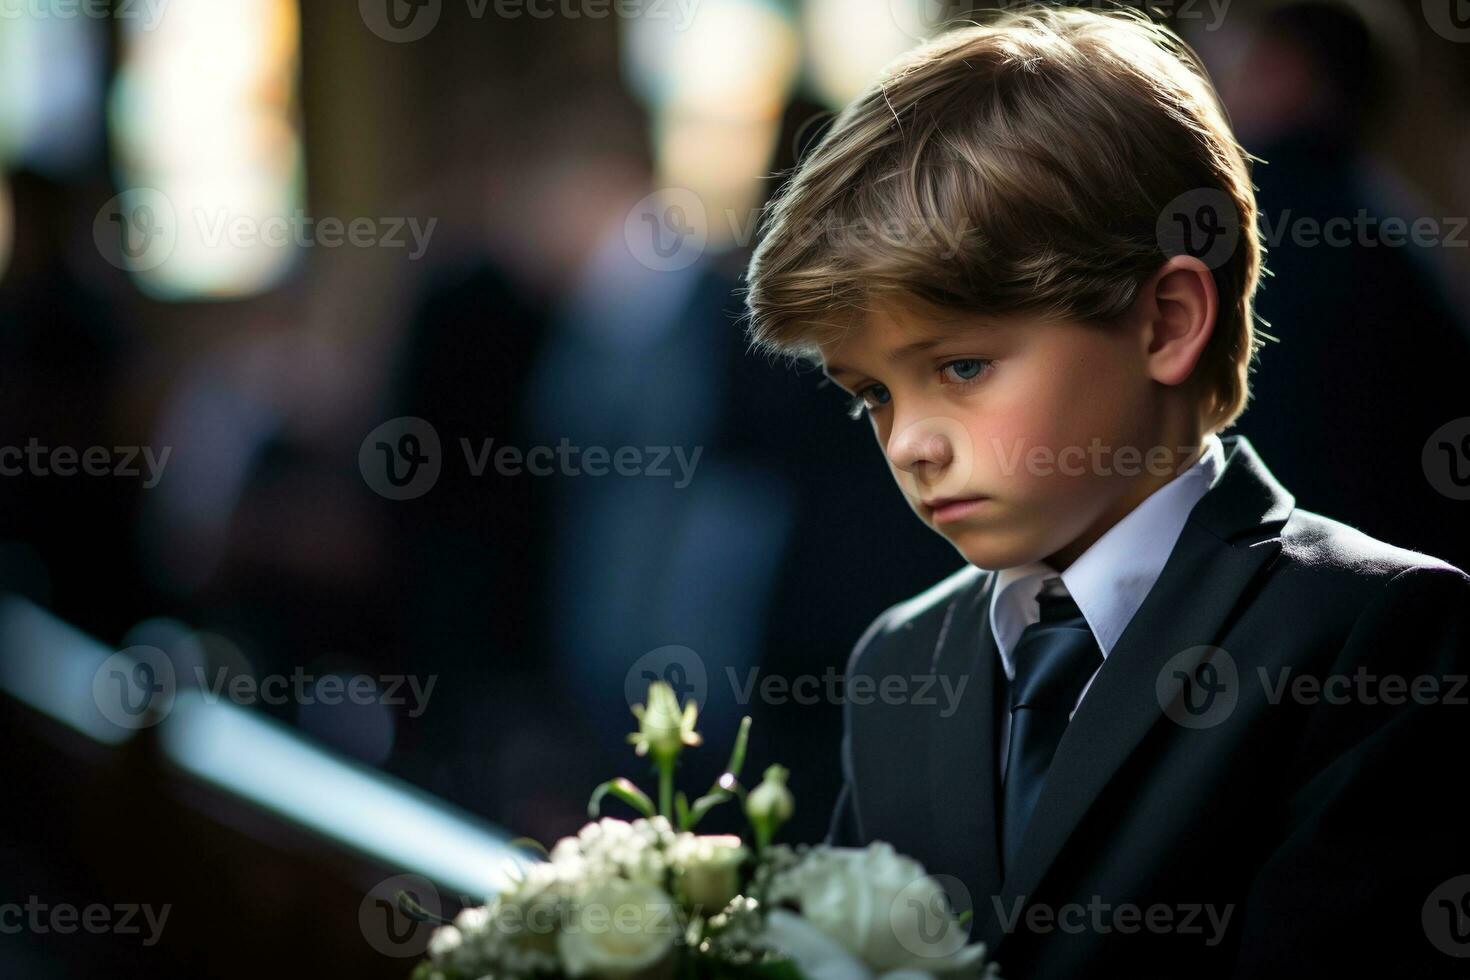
(1177, 307)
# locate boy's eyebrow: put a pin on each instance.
(898, 353)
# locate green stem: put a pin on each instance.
(666, 788)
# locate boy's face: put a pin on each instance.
(1004, 435)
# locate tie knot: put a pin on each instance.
(1055, 603)
(1054, 657)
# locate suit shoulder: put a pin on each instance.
(918, 618)
(1314, 543)
(1368, 605)
(1339, 571)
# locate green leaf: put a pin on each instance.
(681, 809)
(737, 755)
(705, 804)
(623, 789)
(531, 844)
(727, 787)
(417, 912)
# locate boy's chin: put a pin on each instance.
(992, 552)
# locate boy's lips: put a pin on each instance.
(945, 509)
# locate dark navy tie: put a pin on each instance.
(1054, 659)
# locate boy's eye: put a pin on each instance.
(964, 369)
(866, 400)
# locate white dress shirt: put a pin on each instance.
(1110, 580)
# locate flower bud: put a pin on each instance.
(770, 804)
(663, 727)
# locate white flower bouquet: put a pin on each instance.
(650, 898)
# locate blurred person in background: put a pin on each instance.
(64, 541)
(546, 593)
(1372, 350)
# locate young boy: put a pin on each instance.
(1202, 732)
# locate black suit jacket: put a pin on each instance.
(1322, 833)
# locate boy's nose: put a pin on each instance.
(932, 457)
(921, 449)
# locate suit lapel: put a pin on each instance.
(1229, 538)
(963, 763)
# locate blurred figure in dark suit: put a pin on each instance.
(63, 538)
(543, 593)
(1372, 352)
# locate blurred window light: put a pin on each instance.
(53, 667)
(734, 58)
(848, 42)
(204, 115)
(715, 84)
(51, 83)
(270, 766)
(63, 673)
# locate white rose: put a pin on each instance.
(618, 929)
(879, 906)
(708, 869)
(472, 921)
(444, 943)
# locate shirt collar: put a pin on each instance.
(1110, 580)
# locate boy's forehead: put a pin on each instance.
(889, 331)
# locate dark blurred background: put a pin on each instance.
(280, 280)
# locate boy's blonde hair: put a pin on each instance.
(1039, 162)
